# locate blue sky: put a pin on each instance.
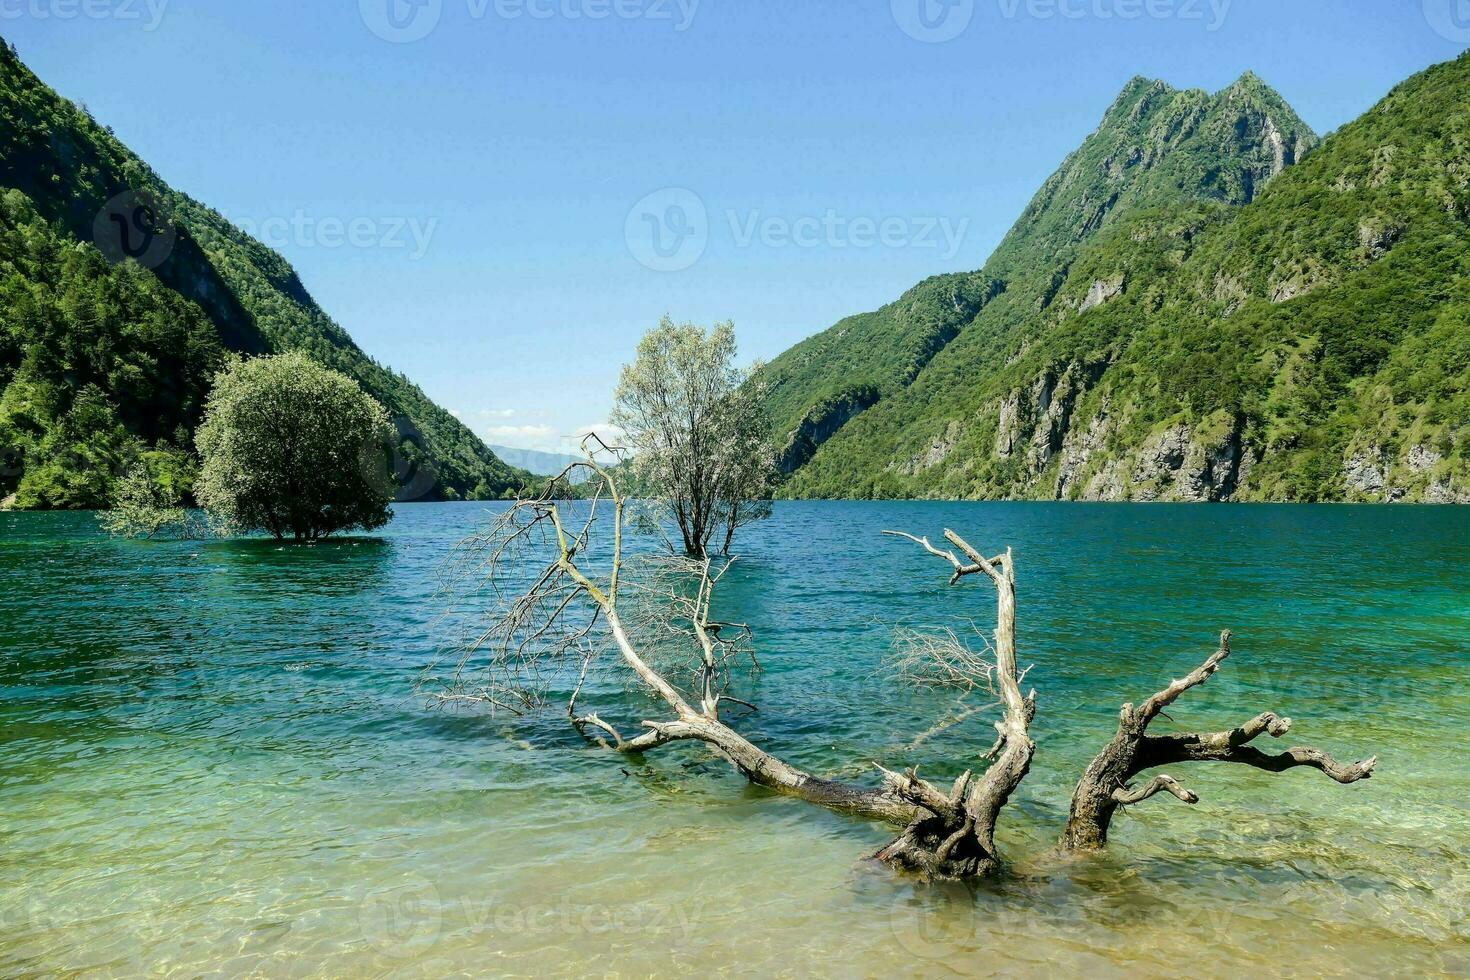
(504, 174)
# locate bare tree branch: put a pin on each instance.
(1158, 783)
(560, 601)
(939, 658)
(953, 835)
(1230, 746)
(1158, 702)
(960, 568)
(1104, 784)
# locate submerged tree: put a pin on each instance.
(696, 431)
(292, 448)
(572, 597)
(564, 608)
(148, 500)
(749, 474)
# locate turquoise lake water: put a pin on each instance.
(214, 758)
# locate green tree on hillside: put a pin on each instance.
(99, 363)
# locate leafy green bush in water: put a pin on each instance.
(292, 448)
(148, 502)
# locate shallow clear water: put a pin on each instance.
(213, 760)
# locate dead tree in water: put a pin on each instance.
(556, 600)
(1107, 782)
(953, 834)
(556, 616)
(566, 605)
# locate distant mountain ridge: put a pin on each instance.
(536, 461)
(63, 170)
(1201, 304)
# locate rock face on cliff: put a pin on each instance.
(1200, 305)
(1176, 462)
(1418, 473)
(1100, 292)
(820, 422)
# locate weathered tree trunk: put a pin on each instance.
(953, 834)
(702, 724)
(730, 526)
(1106, 784)
(762, 768)
(949, 835)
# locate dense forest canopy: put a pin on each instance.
(100, 364)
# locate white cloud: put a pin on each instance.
(547, 438)
(542, 437)
(496, 413)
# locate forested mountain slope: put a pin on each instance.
(1311, 345)
(99, 365)
(66, 169)
(1156, 146)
